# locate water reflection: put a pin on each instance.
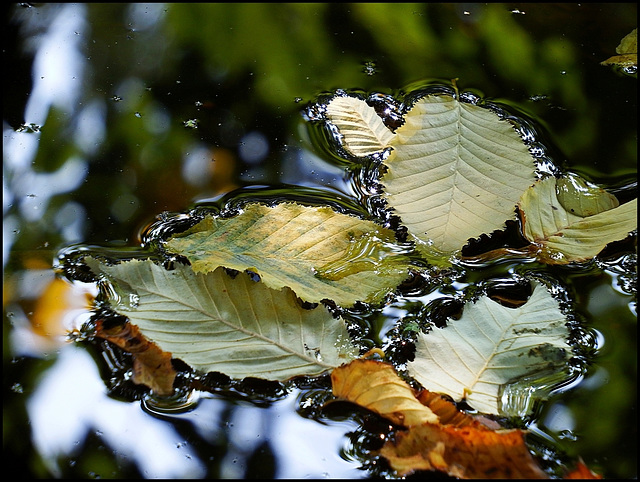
(62, 416)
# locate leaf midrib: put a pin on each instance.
(310, 359)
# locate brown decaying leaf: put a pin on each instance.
(467, 452)
(151, 366)
(441, 438)
(450, 415)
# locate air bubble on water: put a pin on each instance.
(180, 402)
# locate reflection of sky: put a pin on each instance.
(57, 80)
(71, 401)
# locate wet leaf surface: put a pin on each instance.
(557, 219)
(317, 252)
(236, 326)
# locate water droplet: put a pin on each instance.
(17, 388)
(370, 68)
(29, 128)
(191, 123)
(567, 435)
(134, 300)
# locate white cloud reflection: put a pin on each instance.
(71, 401)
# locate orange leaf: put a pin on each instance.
(467, 452)
(151, 366)
(376, 386)
(450, 415)
(582, 472)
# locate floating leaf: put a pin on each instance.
(467, 452)
(439, 437)
(456, 171)
(362, 129)
(554, 220)
(627, 52)
(489, 346)
(151, 366)
(237, 326)
(377, 387)
(319, 253)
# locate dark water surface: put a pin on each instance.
(112, 115)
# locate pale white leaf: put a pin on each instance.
(361, 127)
(559, 235)
(236, 326)
(456, 171)
(490, 346)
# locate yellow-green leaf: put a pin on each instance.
(319, 253)
(627, 52)
(558, 231)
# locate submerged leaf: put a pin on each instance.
(559, 224)
(581, 198)
(236, 326)
(319, 253)
(151, 365)
(456, 171)
(489, 346)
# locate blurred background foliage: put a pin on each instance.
(114, 113)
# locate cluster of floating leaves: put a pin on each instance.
(427, 300)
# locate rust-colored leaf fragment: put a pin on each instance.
(151, 366)
(439, 436)
(581, 471)
(449, 413)
(376, 386)
(468, 452)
